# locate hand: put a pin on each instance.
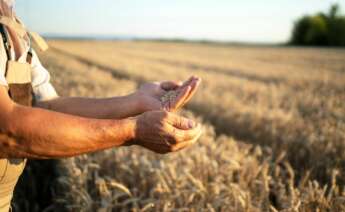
(152, 96)
(164, 132)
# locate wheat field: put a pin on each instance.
(274, 121)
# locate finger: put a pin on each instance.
(177, 135)
(180, 122)
(179, 100)
(194, 87)
(173, 103)
(186, 83)
(192, 81)
(170, 85)
(182, 145)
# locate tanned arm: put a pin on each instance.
(100, 108)
(38, 133)
(146, 98)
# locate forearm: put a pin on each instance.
(106, 108)
(38, 133)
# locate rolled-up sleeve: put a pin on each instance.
(43, 89)
(3, 80)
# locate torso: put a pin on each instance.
(20, 89)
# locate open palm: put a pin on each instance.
(152, 94)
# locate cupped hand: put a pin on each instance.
(164, 132)
(168, 95)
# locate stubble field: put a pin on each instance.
(274, 121)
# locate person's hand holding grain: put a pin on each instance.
(169, 95)
(164, 132)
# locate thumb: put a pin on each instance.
(181, 122)
(170, 85)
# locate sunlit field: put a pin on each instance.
(274, 120)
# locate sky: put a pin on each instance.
(265, 21)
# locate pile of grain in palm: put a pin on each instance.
(169, 96)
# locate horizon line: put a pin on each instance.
(100, 37)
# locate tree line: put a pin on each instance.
(321, 29)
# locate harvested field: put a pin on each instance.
(274, 120)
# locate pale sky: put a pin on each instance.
(227, 20)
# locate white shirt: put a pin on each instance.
(42, 88)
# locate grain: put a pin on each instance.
(274, 122)
(169, 96)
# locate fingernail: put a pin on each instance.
(191, 124)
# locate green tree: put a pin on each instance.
(320, 29)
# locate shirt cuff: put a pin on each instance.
(44, 92)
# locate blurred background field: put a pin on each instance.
(274, 120)
(274, 113)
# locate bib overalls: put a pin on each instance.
(18, 77)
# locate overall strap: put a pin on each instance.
(7, 44)
(6, 41)
(18, 75)
(30, 52)
(22, 31)
(9, 22)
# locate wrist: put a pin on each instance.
(137, 102)
(131, 126)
